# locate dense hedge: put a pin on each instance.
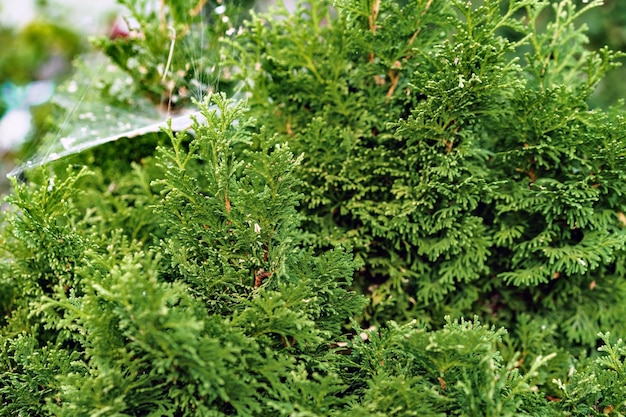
(414, 211)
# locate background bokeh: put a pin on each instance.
(607, 26)
(38, 41)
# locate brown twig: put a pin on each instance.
(286, 343)
(162, 16)
(530, 172)
(374, 15)
(394, 73)
(196, 10)
(419, 22)
(394, 77)
(372, 23)
(259, 276)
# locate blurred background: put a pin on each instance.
(40, 38)
(38, 41)
(607, 26)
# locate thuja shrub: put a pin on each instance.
(216, 305)
(221, 311)
(415, 214)
(451, 145)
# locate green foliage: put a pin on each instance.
(599, 389)
(107, 313)
(316, 251)
(468, 179)
(413, 372)
(24, 51)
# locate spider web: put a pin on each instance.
(90, 121)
